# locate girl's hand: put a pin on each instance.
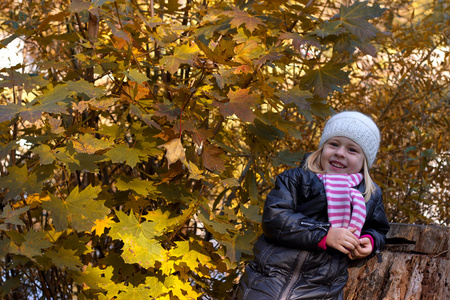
(362, 250)
(342, 239)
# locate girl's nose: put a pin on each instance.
(340, 151)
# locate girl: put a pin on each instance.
(319, 217)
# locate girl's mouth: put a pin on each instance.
(337, 165)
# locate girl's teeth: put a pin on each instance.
(337, 165)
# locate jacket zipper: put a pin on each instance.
(295, 275)
(314, 226)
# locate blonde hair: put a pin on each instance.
(312, 164)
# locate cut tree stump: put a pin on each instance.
(415, 266)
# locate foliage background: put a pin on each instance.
(139, 138)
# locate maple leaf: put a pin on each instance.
(5, 149)
(84, 87)
(298, 40)
(19, 181)
(174, 151)
(271, 56)
(214, 225)
(185, 253)
(329, 28)
(65, 258)
(247, 51)
(87, 143)
(33, 244)
(136, 75)
(240, 105)
(179, 288)
(167, 110)
(212, 160)
(183, 54)
(35, 200)
(55, 125)
(94, 277)
(252, 212)
(101, 225)
(9, 111)
(45, 154)
(141, 250)
(12, 216)
(121, 153)
(130, 225)
(266, 131)
(79, 209)
(4, 246)
(141, 187)
(238, 244)
(288, 158)
(77, 161)
(296, 96)
(326, 79)
(241, 17)
(356, 19)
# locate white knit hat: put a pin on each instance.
(357, 127)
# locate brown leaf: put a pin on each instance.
(240, 104)
(212, 160)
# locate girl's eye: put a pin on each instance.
(333, 144)
(352, 150)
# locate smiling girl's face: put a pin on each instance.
(340, 155)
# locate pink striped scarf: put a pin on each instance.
(346, 205)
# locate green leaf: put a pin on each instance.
(121, 153)
(6, 149)
(79, 209)
(65, 258)
(84, 87)
(141, 187)
(286, 157)
(136, 75)
(251, 212)
(296, 96)
(329, 28)
(19, 181)
(4, 246)
(12, 216)
(356, 19)
(130, 225)
(265, 131)
(33, 245)
(360, 10)
(9, 285)
(45, 154)
(326, 79)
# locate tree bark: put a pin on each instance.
(415, 266)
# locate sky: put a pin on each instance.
(12, 54)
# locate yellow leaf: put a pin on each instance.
(100, 225)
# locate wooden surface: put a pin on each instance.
(415, 266)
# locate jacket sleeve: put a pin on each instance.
(282, 223)
(376, 224)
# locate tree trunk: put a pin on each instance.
(415, 266)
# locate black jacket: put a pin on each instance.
(288, 262)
